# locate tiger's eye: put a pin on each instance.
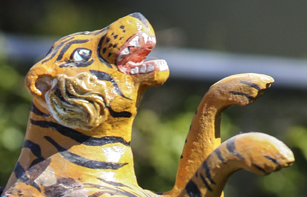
(82, 55)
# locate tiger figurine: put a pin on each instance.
(86, 92)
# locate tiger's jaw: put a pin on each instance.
(130, 58)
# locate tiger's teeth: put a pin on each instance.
(134, 42)
(145, 36)
(150, 68)
(125, 51)
(143, 68)
(162, 65)
(134, 70)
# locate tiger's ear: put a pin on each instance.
(39, 80)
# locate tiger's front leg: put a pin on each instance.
(204, 134)
(255, 152)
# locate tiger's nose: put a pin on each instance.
(140, 17)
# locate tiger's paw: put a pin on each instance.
(241, 89)
(261, 153)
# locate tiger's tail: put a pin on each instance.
(255, 152)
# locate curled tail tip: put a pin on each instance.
(286, 157)
(263, 77)
(265, 152)
(267, 79)
(258, 81)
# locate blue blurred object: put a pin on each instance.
(190, 64)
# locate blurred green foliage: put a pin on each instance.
(14, 109)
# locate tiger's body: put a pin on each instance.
(85, 96)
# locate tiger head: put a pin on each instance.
(87, 76)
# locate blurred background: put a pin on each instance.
(202, 41)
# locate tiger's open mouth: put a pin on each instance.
(130, 59)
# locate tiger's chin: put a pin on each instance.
(78, 102)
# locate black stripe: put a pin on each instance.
(105, 140)
(35, 148)
(205, 182)
(49, 51)
(106, 77)
(54, 52)
(112, 183)
(219, 155)
(241, 94)
(102, 75)
(207, 170)
(20, 173)
(85, 64)
(81, 161)
(36, 111)
(101, 59)
(123, 114)
(67, 45)
(77, 64)
(192, 189)
(104, 62)
(230, 144)
(36, 161)
(79, 137)
(260, 169)
(253, 85)
(272, 159)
